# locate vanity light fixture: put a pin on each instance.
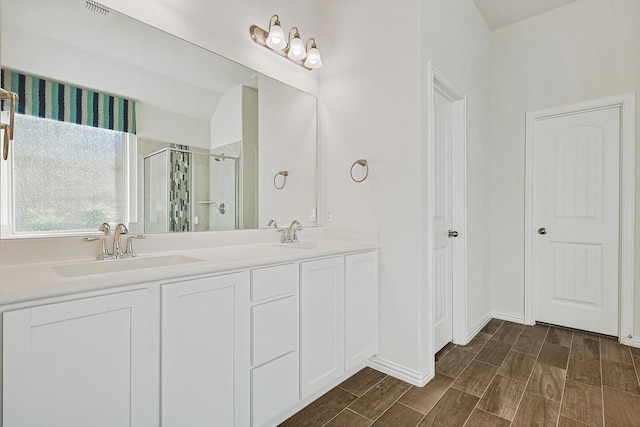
(293, 49)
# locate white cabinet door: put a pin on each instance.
(361, 301)
(199, 365)
(321, 323)
(80, 363)
(274, 389)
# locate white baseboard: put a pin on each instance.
(478, 326)
(511, 317)
(417, 378)
(633, 341)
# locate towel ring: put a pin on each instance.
(364, 164)
(284, 179)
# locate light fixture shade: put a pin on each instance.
(313, 58)
(275, 39)
(296, 48)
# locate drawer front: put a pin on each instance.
(274, 281)
(274, 389)
(274, 328)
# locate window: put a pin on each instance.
(65, 178)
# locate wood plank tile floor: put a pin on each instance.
(508, 375)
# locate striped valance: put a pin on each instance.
(58, 101)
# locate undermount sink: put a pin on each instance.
(307, 244)
(113, 266)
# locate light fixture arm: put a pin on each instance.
(271, 21)
(296, 33)
(312, 44)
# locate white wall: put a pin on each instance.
(226, 122)
(370, 109)
(587, 49)
(222, 26)
(372, 98)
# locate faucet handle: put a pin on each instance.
(103, 249)
(292, 231)
(282, 231)
(129, 249)
(295, 233)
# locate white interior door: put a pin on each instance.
(576, 215)
(442, 221)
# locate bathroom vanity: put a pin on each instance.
(240, 335)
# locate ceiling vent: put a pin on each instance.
(95, 7)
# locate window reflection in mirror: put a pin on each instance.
(66, 177)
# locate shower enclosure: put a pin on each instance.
(190, 191)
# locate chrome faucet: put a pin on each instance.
(292, 231)
(117, 245)
(118, 252)
(104, 252)
(129, 252)
(289, 234)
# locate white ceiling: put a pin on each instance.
(500, 13)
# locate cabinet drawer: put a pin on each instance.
(274, 389)
(274, 329)
(271, 282)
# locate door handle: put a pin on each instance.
(542, 230)
(453, 233)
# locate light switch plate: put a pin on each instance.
(312, 214)
(328, 214)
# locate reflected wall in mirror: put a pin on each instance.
(206, 138)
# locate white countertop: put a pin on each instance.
(25, 282)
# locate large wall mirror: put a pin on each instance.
(121, 122)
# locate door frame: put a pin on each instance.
(626, 103)
(436, 80)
